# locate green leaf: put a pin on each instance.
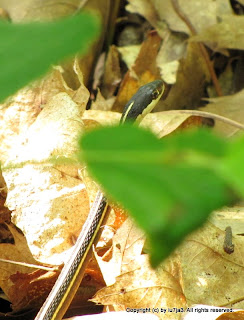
(232, 165)
(28, 50)
(167, 185)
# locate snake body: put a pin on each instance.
(71, 275)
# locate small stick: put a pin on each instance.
(228, 245)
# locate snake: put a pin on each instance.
(69, 279)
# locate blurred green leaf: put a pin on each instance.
(169, 186)
(28, 50)
(232, 166)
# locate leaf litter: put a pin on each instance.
(200, 266)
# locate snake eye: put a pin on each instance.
(155, 94)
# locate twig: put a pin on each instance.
(228, 245)
(203, 50)
(209, 115)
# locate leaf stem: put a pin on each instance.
(29, 265)
(209, 115)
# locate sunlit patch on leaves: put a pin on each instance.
(169, 186)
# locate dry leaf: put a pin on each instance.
(31, 290)
(30, 10)
(233, 217)
(103, 117)
(133, 284)
(226, 80)
(189, 88)
(201, 14)
(102, 104)
(162, 123)
(148, 10)
(49, 204)
(16, 251)
(238, 315)
(201, 273)
(229, 107)
(127, 245)
(16, 115)
(21, 110)
(226, 34)
(172, 50)
(209, 274)
(145, 288)
(112, 73)
(129, 54)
